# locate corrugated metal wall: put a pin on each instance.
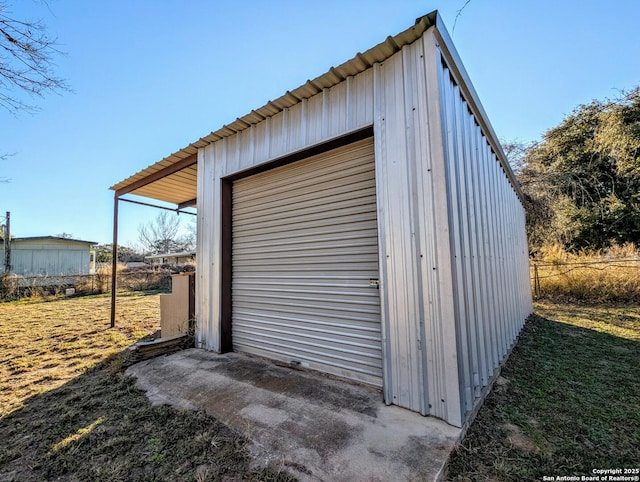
(489, 246)
(452, 251)
(30, 259)
(421, 362)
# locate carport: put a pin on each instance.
(172, 180)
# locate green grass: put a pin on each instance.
(568, 401)
(70, 413)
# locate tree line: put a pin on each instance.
(582, 180)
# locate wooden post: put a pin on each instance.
(114, 261)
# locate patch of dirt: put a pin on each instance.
(500, 385)
(518, 439)
(501, 381)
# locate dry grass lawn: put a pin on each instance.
(70, 413)
(46, 343)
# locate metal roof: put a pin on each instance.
(173, 179)
(55, 238)
(179, 187)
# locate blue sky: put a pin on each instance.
(151, 76)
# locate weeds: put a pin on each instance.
(606, 276)
(144, 278)
(44, 344)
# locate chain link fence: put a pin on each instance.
(142, 278)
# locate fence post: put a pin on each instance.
(536, 281)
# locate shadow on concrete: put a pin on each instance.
(317, 427)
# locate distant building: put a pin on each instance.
(185, 257)
(49, 256)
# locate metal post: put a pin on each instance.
(114, 261)
(7, 245)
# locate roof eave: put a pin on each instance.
(359, 63)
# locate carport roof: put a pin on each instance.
(173, 179)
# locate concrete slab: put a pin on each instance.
(315, 427)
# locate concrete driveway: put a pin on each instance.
(313, 426)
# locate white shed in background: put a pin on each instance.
(49, 256)
(365, 224)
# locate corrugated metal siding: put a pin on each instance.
(48, 259)
(208, 252)
(421, 363)
(305, 247)
(489, 246)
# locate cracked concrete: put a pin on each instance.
(315, 427)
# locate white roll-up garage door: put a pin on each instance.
(305, 257)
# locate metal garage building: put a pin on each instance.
(365, 224)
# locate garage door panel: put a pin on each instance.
(314, 233)
(278, 229)
(360, 286)
(310, 345)
(342, 234)
(355, 314)
(312, 212)
(307, 173)
(305, 247)
(315, 318)
(316, 297)
(346, 367)
(358, 185)
(344, 340)
(353, 247)
(293, 260)
(336, 173)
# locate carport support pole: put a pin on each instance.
(114, 260)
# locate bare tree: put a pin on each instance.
(163, 235)
(458, 14)
(516, 152)
(4, 157)
(26, 61)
